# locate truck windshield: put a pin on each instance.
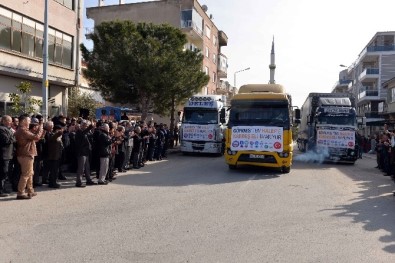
(199, 116)
(338, 120)
(259, 114)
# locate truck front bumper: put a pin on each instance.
(201, 147)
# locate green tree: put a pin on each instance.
(143, 64)
(78, 100)
(23, 102)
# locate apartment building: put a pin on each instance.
(188, 15)
(374, 67)
(345, 78)
(21, 49)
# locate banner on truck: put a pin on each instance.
(196, 132)
(257, 138)
(336, 138)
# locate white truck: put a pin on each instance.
(203, 124)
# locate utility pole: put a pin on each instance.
(45, 66)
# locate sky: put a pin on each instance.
(312, 38)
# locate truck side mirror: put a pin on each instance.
(297, 116)
(222, 115)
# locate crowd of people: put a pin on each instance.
(385, 151)
(36, 153)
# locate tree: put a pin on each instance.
(78, 101)
(23, 102)
(143, 64)
(184, 80)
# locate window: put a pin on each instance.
(28, 30)
(39, 41)
(207, 52)
(67, 51)
(208, 32)
(215, 40)
(214, 77)
(206, 70)
(51, 45)
(16, 32)
(215, 58)
(21, 34)
(5, 28)
(66, 3)
(58, 47)
(393, 95)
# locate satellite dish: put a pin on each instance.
(205, 8)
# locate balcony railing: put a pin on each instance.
(369, 74)
(368, 93)
(372, 71)
(344, 81)
(191, 24)
(381, 48)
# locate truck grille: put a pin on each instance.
(198, 146)
(267, 159)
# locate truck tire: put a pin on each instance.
(232, 167)
(286, 170)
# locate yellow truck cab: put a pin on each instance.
(259, 131)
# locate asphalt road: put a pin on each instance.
(193, 209)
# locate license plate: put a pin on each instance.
(257, 156)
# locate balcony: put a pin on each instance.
(224, 88)
(190, 28)
(369, 75)
(222, 38)
(341, 86)
(222, 66)
(368, 94)
(88, 32)
(371, 53)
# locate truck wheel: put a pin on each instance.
(232, 167)
(286, 170)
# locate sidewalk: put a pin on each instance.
(174, 149)
(369, 156)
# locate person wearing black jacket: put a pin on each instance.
(48, 126)
(55, 150)
(137, 147)
(104, 149)
(7, 140)
(83, 152)
(95, 148)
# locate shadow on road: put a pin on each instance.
(163, 173)
(374, 207)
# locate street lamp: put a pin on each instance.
(45, 66)
(234, 77)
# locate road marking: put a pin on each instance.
(248, 182)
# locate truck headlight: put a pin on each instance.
(283, 154)
(231, 152)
